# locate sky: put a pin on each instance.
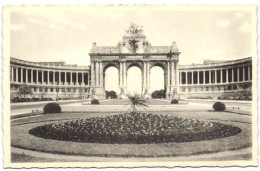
(67, 34)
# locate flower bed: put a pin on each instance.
(134, 128)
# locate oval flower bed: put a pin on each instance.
(134, 128)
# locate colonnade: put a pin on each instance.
(37, 76)
(216, 76)
(172, 77)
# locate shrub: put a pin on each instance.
(218, 106)
(174, 101)
(52, 108)
(94, 101)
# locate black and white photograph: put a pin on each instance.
(130, 86)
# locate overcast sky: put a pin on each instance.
(67, 34)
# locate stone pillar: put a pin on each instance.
(232, 75)
(204, 75)
(180, 77)
(198, 75)
(186, 77)
(48, 77)
(21, 75)
(148, 75)
(65, 78)
(125, 73)
(12, 74)
(26, 75)
(31, 75)
(192, 82)
(71, 78)
(101, 74)
(172, 74)
(42, 76)
(59, 77)
(177, 73)
(83, 82)
(210, 82)
(244, 74)
(120, 75)
(97, 78)
(226, 75)
(77, 78)
(221, 76)
(144, 75)
(92, 74)
(53, 79)
(238, 75)
(16, 69)
(37, 76)
(249, 74)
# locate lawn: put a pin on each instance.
(126, 101)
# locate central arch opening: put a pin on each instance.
(134, 80)
(111, 79)
(157, 79)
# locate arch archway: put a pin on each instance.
(157, 78)
(134, 80)
(111, 78)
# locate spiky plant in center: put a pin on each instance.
(136, 101)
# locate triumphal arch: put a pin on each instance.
(134, 50)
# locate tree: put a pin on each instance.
(24, 90)
(136, 101)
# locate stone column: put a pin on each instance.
(186, 77)
(180, 77)
(42, 76)
(244, 74)
(65, 78)
(210, 82)
(226, 75)
(26, 75)
(177, 73)
(97, 77)
(77, 78)
(71, 78)
(83, 82)
(204, 75)
(172, 73)
(101, 74)
(232, 75)
(53, 79)
(48, 77)
(125, 74)
(37, 76)
(221, 76)
(144, 75)
(216, 78)
(21, 75)
(31, 75)
(198, 75)
(238, 75)
(120, 75)
(192, 79)
(249, 74)
(148, 75)
(16, 69)
(92, 74)
(59, 77)
(12, 74)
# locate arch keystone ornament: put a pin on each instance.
(135, 50)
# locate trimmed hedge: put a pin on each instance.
(52, 108)
(94, 101)
(174, 101)
(218, 106)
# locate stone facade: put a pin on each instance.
(134, 50)
(59, 80)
